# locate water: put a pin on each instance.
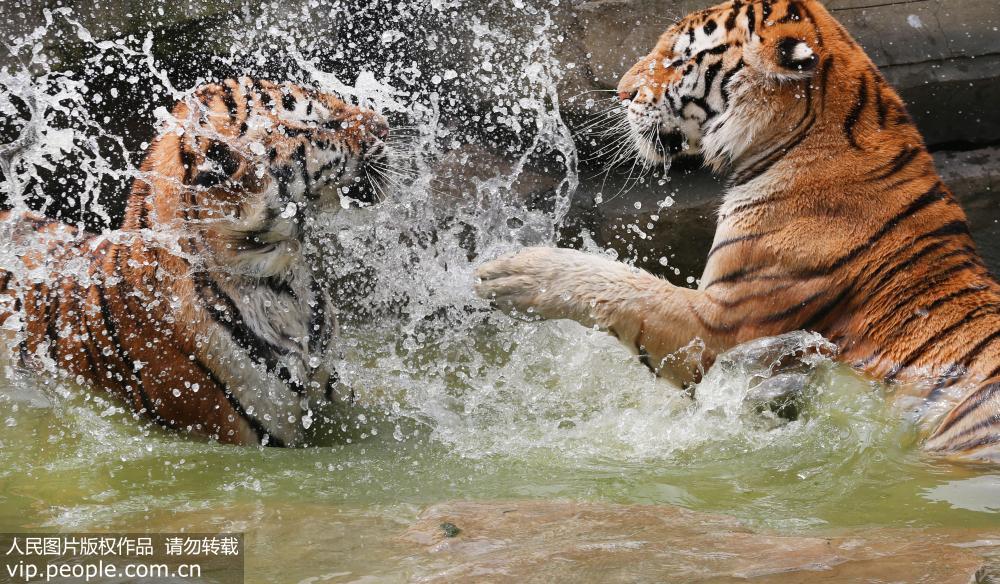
(451, 400)
(542, 422)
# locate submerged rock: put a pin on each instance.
(534, 541)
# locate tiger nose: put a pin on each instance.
(628, 95)
(377, 127)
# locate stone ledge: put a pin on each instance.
(543, 541)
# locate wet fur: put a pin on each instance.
(201, 313)
(835, 220)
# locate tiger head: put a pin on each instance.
(725, 80)
(243, 168)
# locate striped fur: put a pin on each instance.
(201, 312)
(835, 220)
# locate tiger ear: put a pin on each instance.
(795, 55)
(786, 57)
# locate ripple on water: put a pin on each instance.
(977, 493)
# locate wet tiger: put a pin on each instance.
(201, 312)
(834, 220)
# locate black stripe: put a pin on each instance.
(748, 297)
(970, 357)
(843, 34)
(714, 328)
(735, 240)
(727, 77)
(640, 349)
(765, 11)
(949, 229)
(229, 100)
(768, 160)
(325, 168)
(137, 374)
(251, 421)
(51, 310)
(880, 105)
(644, 359)
(935, 194)
(702, 104)
(279, 286)
(950, 377)
(140, 193)
(792, 310)
(905, 264)
(112, 333)
(815, 24)
(820, 315)
(711, 72)
(733, 14)
(743, 208)
(737, 274)
(923, 287)
(934, 339)
(898, 163)
(188, 160)
(231, 319)
(773, 158)
(224, 157)
(319, 332)
(698, 58)
(978, 442)
(791, 13)
(970, 404)
(300, 158)
(824, 77)
(751, 20)
(263, 96)
(936, 304)
(92, 354)
(855, 114)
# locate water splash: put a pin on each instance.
(418, 348)
(561, 390)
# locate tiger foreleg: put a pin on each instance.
(648, 315)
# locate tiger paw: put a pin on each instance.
(551, 282)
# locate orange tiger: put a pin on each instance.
(201, 313)
(834, 220)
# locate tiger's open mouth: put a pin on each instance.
(661, 144)
(669, 143)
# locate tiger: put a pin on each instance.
(833, 220)
(202, 313)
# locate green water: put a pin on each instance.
(514, 411)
